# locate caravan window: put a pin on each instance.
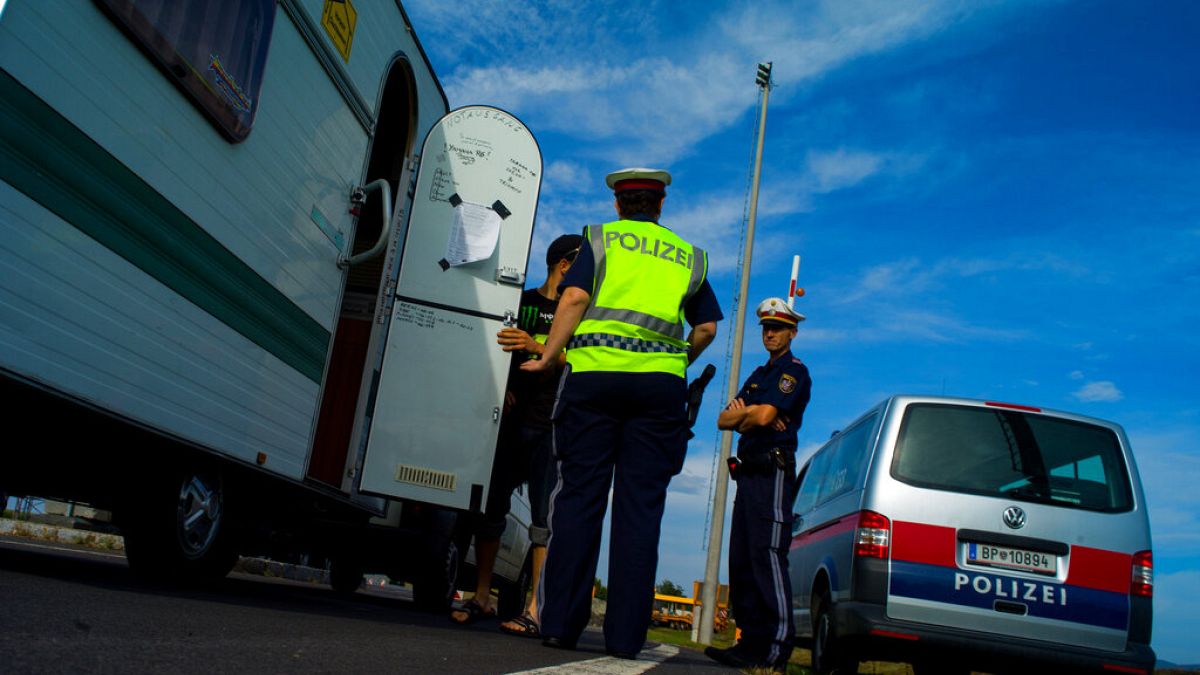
(214, 51)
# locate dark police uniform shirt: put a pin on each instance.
(700, 308)
(534, 392)
(785, 384)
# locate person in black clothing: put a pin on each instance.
(523, 452)
(767, 412)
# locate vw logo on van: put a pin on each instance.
(1014, 517)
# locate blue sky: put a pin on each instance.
(992, 199)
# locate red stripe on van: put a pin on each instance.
(1100, 569)
(921, 543)
(824, 531)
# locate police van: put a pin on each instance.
(963, 535)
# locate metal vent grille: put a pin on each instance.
(430, 478)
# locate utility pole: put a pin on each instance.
(708, 596)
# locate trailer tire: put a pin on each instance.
(433, 589)
(179, 529)
(346, 575)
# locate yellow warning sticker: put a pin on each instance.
(339, 19)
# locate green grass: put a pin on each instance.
(799, 664)
(683, 638)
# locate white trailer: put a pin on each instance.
(215, 320)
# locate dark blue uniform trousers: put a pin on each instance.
(759, 539)
(627, 431)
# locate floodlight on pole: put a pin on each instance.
(763, 79)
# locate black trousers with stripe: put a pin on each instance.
(626, 431)
(759, 587)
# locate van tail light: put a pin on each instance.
(873, 535)
(1116, 668)
(1143, 575)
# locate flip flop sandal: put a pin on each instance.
(526, 626)
(474, 611)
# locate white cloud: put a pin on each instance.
(695, 478)
(818, 336)
(715, 220)
(1100, 391)
(568, 62)
(568, 177)
(1076, 375)
(806, 44)
(1166, 460)
(1175, 616)
(910, 276)
(842, 168)
(935, 327)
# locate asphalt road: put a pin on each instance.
(71, 609)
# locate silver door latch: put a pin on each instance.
(510, 319)
(510, 275)
(496, 414)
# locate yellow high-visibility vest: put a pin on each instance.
(644, 275)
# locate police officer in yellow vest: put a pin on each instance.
(620, 418)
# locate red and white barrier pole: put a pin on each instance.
(792, 294)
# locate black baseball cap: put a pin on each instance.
(565, 246)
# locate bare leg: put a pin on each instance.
(539, 559)
(485, 563)
(512, 625)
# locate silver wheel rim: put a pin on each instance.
(822, 636)
(198, 514)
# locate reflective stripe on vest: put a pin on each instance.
(645, 332)
(627, 343)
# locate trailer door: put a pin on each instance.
(435, 410)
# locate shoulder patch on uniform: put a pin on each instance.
(787, 384)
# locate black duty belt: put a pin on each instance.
(762, 462)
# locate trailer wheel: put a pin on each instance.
(180, 529)
(346, 574)
(433, 589)
(513, 595)
(438, 562)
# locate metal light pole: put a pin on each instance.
(708, 597)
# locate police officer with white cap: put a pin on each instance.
(767, 412)
(620, 419)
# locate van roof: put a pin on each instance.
(907, 399)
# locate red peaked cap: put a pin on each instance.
(639, 184)
(639, 178)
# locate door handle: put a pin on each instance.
(358, 197)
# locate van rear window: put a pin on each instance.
(1012, 454)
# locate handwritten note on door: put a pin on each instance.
(473, 235)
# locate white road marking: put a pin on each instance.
(87, 551)
(607, 665)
